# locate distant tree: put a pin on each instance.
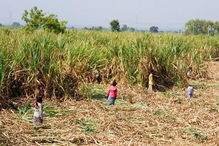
(86, 28)
(216, 27)
(209, 25)
(52, 24)
(115, 25)
(36, 19)
(197, 26)
(33, 19)
(71, 27)
(154, 29)
(1, 25)
(131, 29)
(97, 28)
(124, 28)
(16, 24)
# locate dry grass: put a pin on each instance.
(154, 118)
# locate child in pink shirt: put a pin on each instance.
(112, 93)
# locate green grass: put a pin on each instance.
(191, 129)
(27, 109)
(25, 112)
(140, 105)
(168, 119)
(169, 94)
(159, 112)
(196, 133)
(89, 126)
(94, 91)
(51, 111)
(120, 101)
(200, 136)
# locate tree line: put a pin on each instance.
(36, 19)
(197, 26)
(13, 25)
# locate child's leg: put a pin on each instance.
(36, 120)
(190, 95)
(41, 120)
(114, 99)
(150, 88)
(111, 101)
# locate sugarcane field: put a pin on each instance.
(62, 85)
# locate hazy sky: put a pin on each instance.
(166, 14)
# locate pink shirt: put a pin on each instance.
(112, 92)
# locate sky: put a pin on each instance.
(141, 14)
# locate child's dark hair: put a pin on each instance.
(39, 99)
(114, 83)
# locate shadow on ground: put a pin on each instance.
(99, 96)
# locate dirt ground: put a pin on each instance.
(160, 118)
